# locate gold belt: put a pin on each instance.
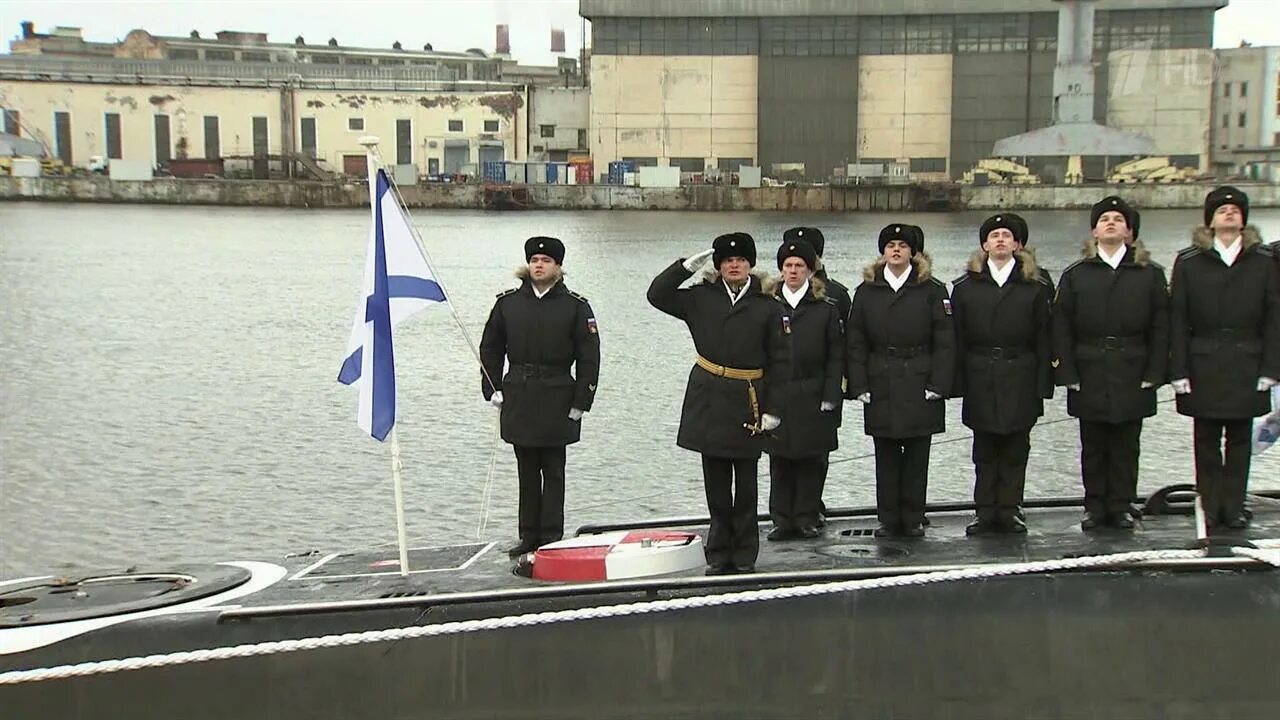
(731, 373)
(739, 374)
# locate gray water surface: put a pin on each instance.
(168, 390)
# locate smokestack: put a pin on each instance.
(557, 40)
(28, 29)
(503, 46)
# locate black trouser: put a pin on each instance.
(541, 518)
(1222, 482)
(734, 537)
(1000, 472)
(795, 489)
(902, 476)
(1109, 465)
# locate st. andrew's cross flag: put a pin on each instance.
(398, 283)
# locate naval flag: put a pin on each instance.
(398, 283)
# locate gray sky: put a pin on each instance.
(446, 24)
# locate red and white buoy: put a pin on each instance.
(618, 555)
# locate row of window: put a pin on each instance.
(893, 34)
(356, 124)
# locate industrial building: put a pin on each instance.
(808, 87)
(285, 108)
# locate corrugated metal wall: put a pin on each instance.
(994, 96)
(808, 112)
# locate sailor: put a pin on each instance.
(1110, 350)
(837, 291)
(736, 326)
(1003, 344)
(549, 336)
(809, 397)
(901, 361)
(1224, 317)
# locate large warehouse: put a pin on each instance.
(820, 84)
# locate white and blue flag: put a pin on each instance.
(398, 283)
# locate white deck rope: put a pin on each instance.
(599, 612)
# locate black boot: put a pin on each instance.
(526, 545)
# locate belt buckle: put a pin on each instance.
(892, 351)
(1111, 342)
(997, 353)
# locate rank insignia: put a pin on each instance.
(591, 326)
(1055, 363)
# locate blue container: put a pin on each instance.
(551, 174)
(494, 171)
(618, 170)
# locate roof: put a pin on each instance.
(799, 8)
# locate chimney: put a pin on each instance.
(557, 40)
(195, 34)
(28, 29)
(503, 46)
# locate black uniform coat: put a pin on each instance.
(837, 291)
(744, 335)
(1225, 327)
(1003, 345)
(901, 344)
(541, 338)
(815, 343)
(1110, 334)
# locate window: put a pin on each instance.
(11, 124)
(491, 126)
(212, 141)
(642, 161)
(113, 136)
(404, 142)
(220, 55)
(928, 165)
(1244, 89)
(325, 59)
(62, 137)
(1240, 120)
(675, 36)
(1275, 141)
(688, 164)
(359, 60)
(455, 126)
(1226, 120)
(1226, 90)
(184, 54)
(247, 56)
(355, 124)
(547, 131)
(309, 138)
(731, 164)
(582, 138)
(164, 148)
(260, 137)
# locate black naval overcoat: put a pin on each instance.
(837, 291)
(815, 344)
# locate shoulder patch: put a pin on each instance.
(1188, 252)
(1071, 267)
(1043, 280)
(937, 282)
(963, 276)
(507, 292)
(1265, 249)
(576, 296)
(830, 300)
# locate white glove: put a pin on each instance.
(1074, 386)
(1181, 386)
(496, 399)
(865, 397)
(931, 395)
(1265, 384)
(696, 261)
(575, 414)
(1146, 385)
(827, 406)
(769, 422)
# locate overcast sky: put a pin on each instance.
(446, 24)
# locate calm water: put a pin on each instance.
(168, 389)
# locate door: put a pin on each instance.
(355, 166)
(309, 137)
(456, 154)
(163, 147)
(62, 136)
(260, 169)
(491, 153)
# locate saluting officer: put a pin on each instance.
(901, 360)
(549, 337)
(809, 397)
(1111, 348)
(736, 325)
(1225, 336)
(1003, 344)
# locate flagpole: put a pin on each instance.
(370, 144)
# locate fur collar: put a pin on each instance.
(922, 263)
(817, 288)
(764, 283)
(1202, 237)
(1025, 258)
(522, 274)
(1141, 256)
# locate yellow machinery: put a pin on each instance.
(1155, 169)
(998, 171)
